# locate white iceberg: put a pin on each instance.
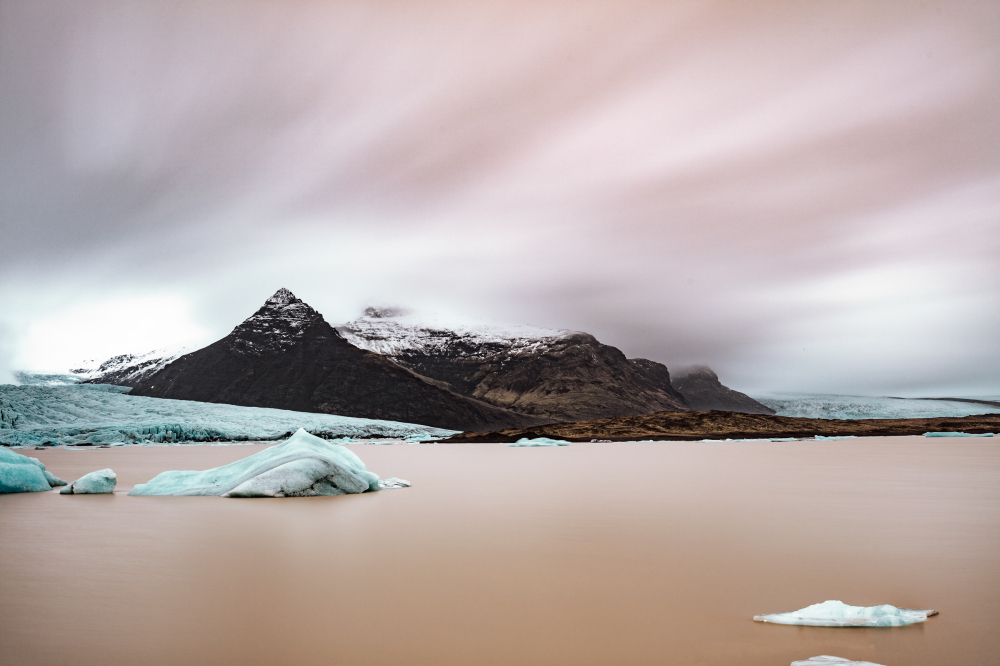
(101, 482)
(839, 614)
(389, 484)
(539, 441)
(827, 659)
(302, 466)
(21, 474)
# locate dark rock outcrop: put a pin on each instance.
(702, 390)
(553, 375)
(287, 356)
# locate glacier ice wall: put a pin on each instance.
(103, 414)
(821, 406)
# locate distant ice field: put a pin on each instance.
(103, 414)
(821, 406)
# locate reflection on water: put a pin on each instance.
(587, 554)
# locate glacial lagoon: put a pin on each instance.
(594, 553)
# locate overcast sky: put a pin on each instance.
(804, 195)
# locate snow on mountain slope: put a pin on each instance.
(130, 369)
(820, 406)
(121, 370)
(101, 414)
(392, 333)
(551, 374)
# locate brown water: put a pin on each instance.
(636, 553)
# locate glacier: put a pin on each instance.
(101, 482)
(302, 466)
(827, 659)
(839, 614)
(539, 441)
(98, 414)
(823, 406)
(21, 474)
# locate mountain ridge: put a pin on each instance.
(287, 356)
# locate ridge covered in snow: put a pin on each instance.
(121, 370)
(393, 332)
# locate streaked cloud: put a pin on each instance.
(692, 182)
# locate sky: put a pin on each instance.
(804, 196)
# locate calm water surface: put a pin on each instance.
(637, 553)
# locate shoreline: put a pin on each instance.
(717, 425)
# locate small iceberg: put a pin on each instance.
(821, 438)
(827, 659)
(957, 434)
(389, 484)
(839, 614)
(302, 466)
(21, 474)
(539, 441)
(101, 482)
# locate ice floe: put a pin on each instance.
(389, 484)
(539, 441)
(104, 414)
(827, 659)
(839, 614)
(101, 482)
(302, 466)
(21, 474)
(957, 434)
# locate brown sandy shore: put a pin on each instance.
(591, 554)
(731, 425)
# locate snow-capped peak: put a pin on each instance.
(393, 332)
(278, 323)
(283, 297)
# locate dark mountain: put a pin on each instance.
(551, 374)
(287, 356)
(702, 390)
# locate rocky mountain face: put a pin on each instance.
(702, 390)
(550, 374)
(287, 356)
